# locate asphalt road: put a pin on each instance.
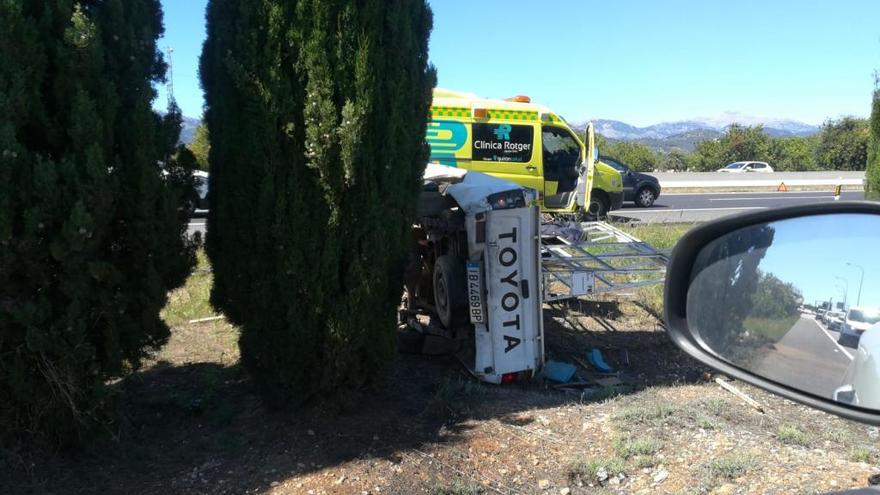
(701, 207)
(709, 206)
(710, 179)
(807, 358)
(197, 224)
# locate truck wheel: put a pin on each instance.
(598, 206)
(450, 291)
(645, 197)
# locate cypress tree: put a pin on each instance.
(91, 236)
(872, 176)
(317, 112)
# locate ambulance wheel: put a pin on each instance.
(450, 291)
(598, 206)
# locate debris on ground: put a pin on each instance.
(658, 426)
(737, 392)
(558, 372)
(598, 361)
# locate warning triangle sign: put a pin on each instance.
(782, 187)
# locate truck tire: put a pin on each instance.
(598, 206)
(450, 291)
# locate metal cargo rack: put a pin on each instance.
(582, 259)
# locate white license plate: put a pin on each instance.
(476, 308)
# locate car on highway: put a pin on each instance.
(861, 384)
(198, 197)
(854, 323)
(641, 189)
(834, 319)
(743, 167)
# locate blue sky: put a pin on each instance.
(812, 252)
(641, 62)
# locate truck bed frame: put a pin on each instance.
(583, 259)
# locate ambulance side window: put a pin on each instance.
(562, 155)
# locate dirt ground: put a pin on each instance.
(193, 425)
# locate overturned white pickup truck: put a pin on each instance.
(481, 269)
(475, 268)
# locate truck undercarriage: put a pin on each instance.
(482, 265)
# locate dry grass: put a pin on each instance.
(727, 468)
(458, 487)
(860, 454)
(642, 446)
(192, 301)
(661, 236)
(793, 435)
(587, 469)
(196, 426)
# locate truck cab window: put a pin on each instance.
(562, 155)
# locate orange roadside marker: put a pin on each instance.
(782, 187)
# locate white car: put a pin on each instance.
(861, 384)
(743, 167)
(856, 321)
(834, 320)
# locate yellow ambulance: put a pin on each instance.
(526, 143)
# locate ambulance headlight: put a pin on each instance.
(507, 199)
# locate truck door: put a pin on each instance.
(562, 156)
(506, 150)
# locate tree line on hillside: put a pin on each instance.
(840, 145)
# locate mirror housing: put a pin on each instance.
(681, 274)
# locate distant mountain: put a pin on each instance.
(685, 134)
(615, 129)
(188, 129)
(685, 141)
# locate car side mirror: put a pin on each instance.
(743, 293)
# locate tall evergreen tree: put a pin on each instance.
(316, 111)
(873, 170)
(91, 237)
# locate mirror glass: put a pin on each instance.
(797, 302)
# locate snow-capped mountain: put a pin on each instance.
(615, 129)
